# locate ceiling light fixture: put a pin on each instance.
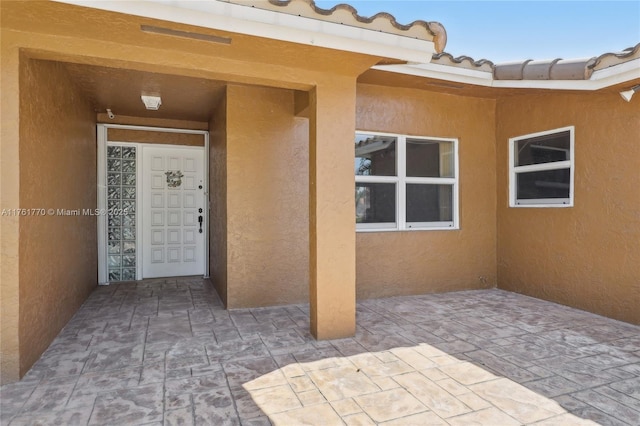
(628, 94)
(151, 102)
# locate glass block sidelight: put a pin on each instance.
(121, 215)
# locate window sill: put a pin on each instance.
(545, 205)
(433, 228)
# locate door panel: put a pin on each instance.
(172, 205)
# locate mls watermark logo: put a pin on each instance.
(174, 179)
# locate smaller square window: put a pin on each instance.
(541, 169)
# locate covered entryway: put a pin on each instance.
(278, 113)
(152, 203)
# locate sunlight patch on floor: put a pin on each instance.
(418, 385)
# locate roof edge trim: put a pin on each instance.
(600, 62)
(226, 16)
(346, 14)
(440, 72)
(600, 79)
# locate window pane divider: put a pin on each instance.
(401, 192)
(433, 181)
(377, 226)
(377, 179)
(543, 167)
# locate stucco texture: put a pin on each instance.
(586, 256)
(161, 138)
(332, 210)
(58, 254)
(218, 199)
(10, 224)
(266, 198)
(267, 228)
(415, 262)
(282, 186)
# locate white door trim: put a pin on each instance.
(102, 139)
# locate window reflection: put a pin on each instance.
(375, 202)
(375, 155)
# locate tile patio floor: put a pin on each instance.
(166, 352)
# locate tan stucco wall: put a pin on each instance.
(60, 32)
(587, 256)
(218, 199)
(152, 122)
(58, 254)
(10, 224)
(267, 208)
(76, 34)
(153, 137)
(267, 157)
(414, 262)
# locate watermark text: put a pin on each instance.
(64, 212)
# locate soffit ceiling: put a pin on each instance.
(183, 98)
(195, 99)
(382, 78)
(127, 32)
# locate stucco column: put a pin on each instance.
(332, 239)
(9, 222)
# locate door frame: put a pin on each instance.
(102, 139)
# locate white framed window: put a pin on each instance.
(405, 182)
(541, 167)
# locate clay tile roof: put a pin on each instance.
(348, 15)
(609, 59)
(571, 69)
(463, 62)
(563, 69)
(550, 69)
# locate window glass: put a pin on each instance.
(375, 202)
(430, 158)
(429, 203)
(541, 169)
(543, 149)
(421, 172)
(543, 184)
(375, 155)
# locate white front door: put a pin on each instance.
(173, 206)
